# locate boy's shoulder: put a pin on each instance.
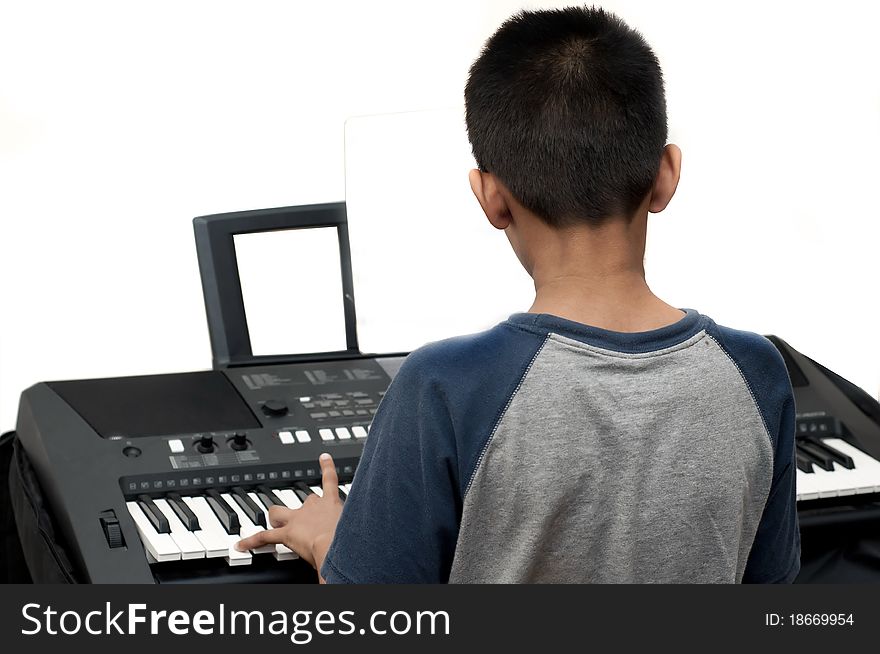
(757, 359)
(461, 363)
(511, 345)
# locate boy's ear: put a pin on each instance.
(488, 194)
(667, 179)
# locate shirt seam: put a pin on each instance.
(498, 419)
(755, 404)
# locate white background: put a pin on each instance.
(120, 121)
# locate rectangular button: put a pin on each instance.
(303, 436)
(175, 445)
(359, 432)
(285, 437)
(326, 434)
(343, 434)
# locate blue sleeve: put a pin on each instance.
(775, 553)
(400, 523)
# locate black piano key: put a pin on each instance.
(803, 463)
(182, 510)
(302, 490)
(268, 498)
(816, 454)
(225, 514)
(249, 507)
(154, 514)
(839, 457)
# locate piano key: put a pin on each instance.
(183, 512)
(252, 510)
(160, 546)
(342, 433)
(282, 552)
(248, 528)
(842, 459)
(228, 518)
(291, 499)
(326, 434)
(866, 470)
(864, 477)
(803, 463)
(302, 490)
(359, 432)
(186, 541)
(267, 497)
(818, 455)
(317, 490)
(154, 515)
(347, 488)
(213, 534)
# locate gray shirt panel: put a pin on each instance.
(616, 467)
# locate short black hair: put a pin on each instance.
(567, 108)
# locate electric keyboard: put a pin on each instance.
(155, 478)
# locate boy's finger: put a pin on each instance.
(279, 515)
(329, 480)
(263, 537)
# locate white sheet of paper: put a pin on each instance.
(291, 284)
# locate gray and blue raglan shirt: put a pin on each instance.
(544, 450)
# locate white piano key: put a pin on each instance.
(867, 469)
(214, 531)
(347, 488)
(343, 434)
(359, 431)
(186, 541)
(864, 477)
(317, 490)
(248, 528)
(282, 552)
(160, 546)
(291, 500)
(804, 486)
(326, 434)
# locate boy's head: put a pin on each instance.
(566, 109)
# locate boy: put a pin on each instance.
(604, 435)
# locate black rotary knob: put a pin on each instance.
(274, 408)
(238, 442)
(205, 444)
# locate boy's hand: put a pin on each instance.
(307, 531)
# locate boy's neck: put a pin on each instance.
(597, 277)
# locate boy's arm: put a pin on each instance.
(400, 522)
(775, 554)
